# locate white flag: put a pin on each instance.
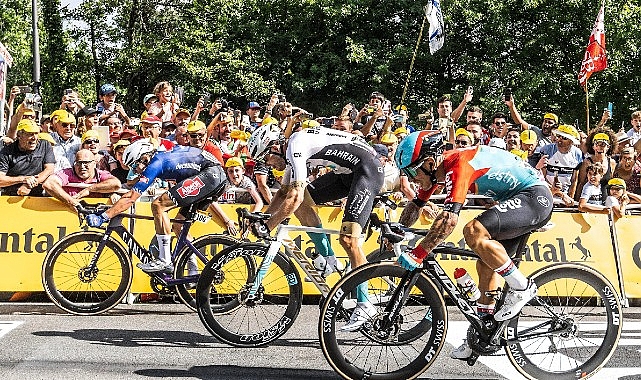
(435, 18)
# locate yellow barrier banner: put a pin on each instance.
(31, 226)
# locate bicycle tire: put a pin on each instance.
(571, 291)
(77, 291)
(209, 246)
(371, 352)
(379, 255)
(224, 309)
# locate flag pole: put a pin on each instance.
(587, 107)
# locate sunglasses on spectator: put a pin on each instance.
(461, 142)
(28, 116)
(197, 135)
(68, 125)
(91, 141)
(600, 143)
(80, 163)
(563, 137)
(500, 123)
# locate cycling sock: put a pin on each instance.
(321, 242)
(361, 292)
(512, 275)
(164, 248)
(483, 310)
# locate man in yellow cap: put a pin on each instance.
(27, 162)
(463, 138)
(240, 188)
(544, 133)
(198, 138)
(563, 160)
(67, 143)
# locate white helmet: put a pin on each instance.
(261, 140)
(136, 150)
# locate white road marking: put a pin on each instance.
(457, 331)
(6, 326)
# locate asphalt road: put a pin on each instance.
(144, 341)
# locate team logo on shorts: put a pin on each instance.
(543, 201)
(191, 188)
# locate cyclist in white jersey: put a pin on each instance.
(356, 174)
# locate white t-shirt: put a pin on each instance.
(592, 194)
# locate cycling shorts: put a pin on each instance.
(360, 187)
(523, 213)
(205, 184)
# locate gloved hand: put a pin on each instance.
(260, 230)
(94, 220)
(411, 260)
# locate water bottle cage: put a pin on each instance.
(466, 291)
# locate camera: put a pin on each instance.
(424, 116)
(68, 91)
(536, 156)
(507, 94)
(370, 110)
(470, 90)
(281, 98)
(205, 99)
(33, 102)
(25, 89)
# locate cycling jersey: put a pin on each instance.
(324, 147)
(483, 170)
(177, 165)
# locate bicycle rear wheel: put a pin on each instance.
(225, 308)
(571, 329)
(403, 350)
(188, 264)
(76, 287)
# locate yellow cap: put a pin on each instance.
(234, 161)
(240, 135)
(121, 143)
(400, 130)
(616, 182)
(522, 154)
(601, 136)
(63, 116)
(310, 124)
(278, 173)
(46, 136)
(389, 138)
(195, 126)
(269, 120)
(28, 126)
(90, 134)
(528, 137)
(551, 116)
(464, 132)
(569, 132)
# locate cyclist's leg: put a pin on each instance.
(162, 224)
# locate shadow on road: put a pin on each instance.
(225, 372)
(150, 338)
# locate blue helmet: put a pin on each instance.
(417, 147)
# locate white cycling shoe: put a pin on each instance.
(156, 266)
(514, 302)
(463, 351)
(363, 312)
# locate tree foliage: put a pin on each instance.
(323, 53)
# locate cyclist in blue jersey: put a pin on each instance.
(524, 203)
(197, 174)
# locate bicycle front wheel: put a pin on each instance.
(229, 312)
(189, 264)
(78, 287)
(400, 349)
(571, 329)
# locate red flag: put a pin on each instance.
(595, 56)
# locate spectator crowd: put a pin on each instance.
(76, 151)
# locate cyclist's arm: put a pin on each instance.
(287, 199)
(442, 227)
(123, 203)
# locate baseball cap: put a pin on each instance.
(568, 131)
(253, 105)
(381, 150)
(464, 132)
(497, 142)
(310, 124)
(63, 116)
(152, 119)
(234, 161)
(240, 135)
(617, 182)
(182, 110)
(86, 111)
(522, 154)
(551, 116)
(90, 134)
(269, 120)
(389, 138)
(401, 130)
(148, 97)
(529, 137)
(107, 88)
(195, 126)
(47, 137)
(601, 136)
(168, 125)
(128, 135)
(28, 126)
(121, 143)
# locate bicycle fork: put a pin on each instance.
(274, 246)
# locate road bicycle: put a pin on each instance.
(250, 294)
(568, 331)
(89, 272)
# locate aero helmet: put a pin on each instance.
(136, 150)
(261, 140)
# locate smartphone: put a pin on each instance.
(68, 91)
(507, 94)
(610, 108)
(206, 97)
(281, 98)
(25, 89)
(470, 90)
